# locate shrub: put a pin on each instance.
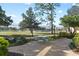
(70, 36)
(77, 35)
(72, 45)
(76, 40)
(63, 34)
(3, 42)
(66, 35)
(3, 51)
(3, 46)
(19, 40)
(50, 38)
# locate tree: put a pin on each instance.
(4, 19)
(47, 9)
(74, 10)
(70, 21)
(29, 20)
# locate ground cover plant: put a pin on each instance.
(3, 46)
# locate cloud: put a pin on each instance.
(12, 15)
(75, 4)
(60, 11)
(27, 3)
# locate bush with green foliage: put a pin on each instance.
(66, 35)
(72, 45)
(20, 40)
(63, 34)
(50, 38)
(75, 40)
(77, 35)
(3, 51)
(70, 36)
(3, 46)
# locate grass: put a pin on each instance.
(27, 33)
(15, 32)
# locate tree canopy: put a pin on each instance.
(70, 21)
(29, 20)
(74, 10)
(47, 9)
(4, 19)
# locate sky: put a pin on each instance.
(16, 9)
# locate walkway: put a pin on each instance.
(53, 48)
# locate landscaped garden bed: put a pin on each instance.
(9, 41)
(15, 40)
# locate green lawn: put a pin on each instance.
(25, 33)
(15, 32)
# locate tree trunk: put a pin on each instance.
(69, 30)
(54, 32)
(74, 30)
(51, 28)
(31, 30)
(52, 19)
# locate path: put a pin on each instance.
(53, 48)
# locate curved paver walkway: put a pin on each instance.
(53, 48)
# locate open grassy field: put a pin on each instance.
(27, 33)
(15, 33)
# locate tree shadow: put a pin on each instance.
(14, 54)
